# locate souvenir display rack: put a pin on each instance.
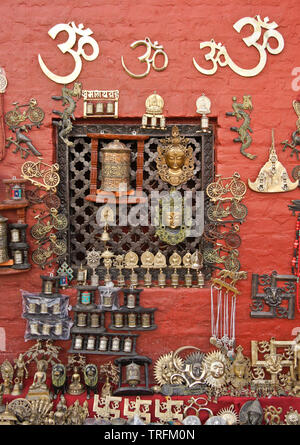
(74, 187)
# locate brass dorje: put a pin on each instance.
(174, 160)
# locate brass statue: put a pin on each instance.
(240, 370)
(39, 390)
(174, 161)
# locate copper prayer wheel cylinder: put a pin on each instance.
(115, 172)
(3, 240)
(146, 320)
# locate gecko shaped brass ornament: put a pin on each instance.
(295, 135)
(272, 177)
(174, 161)
(239, 112)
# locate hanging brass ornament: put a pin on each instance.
(175, 163)
(272, 177)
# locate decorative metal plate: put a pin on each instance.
(275, 292)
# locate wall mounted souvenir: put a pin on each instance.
(158, 50)
(227, 190)
(65, 123)
(39, 169)
(244, 130)
(272, 177)
(100, 103)
(147, 262)
(93, 259)
(223, 310)
(41, 228)
(174, 161)
(295, 135)
(154, 117)
(173, 219)
(218, 54)
(66, 274)
(15, 120)
(274, 292)
(116, 170)
(56, 249)
(3, 85)
(15, 191)
(73, 32)
(4, 257)
(203, 105)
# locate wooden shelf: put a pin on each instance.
(11, 271)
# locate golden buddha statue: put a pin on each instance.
(39, 389)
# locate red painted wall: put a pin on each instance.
(180, 25)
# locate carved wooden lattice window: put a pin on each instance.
(75, 162)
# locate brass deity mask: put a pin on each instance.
(174, 161)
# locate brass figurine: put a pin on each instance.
(39, 389)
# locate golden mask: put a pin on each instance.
(174, 161)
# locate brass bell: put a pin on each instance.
(105, 235)
(16, 391)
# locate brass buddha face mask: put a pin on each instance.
(174, 160)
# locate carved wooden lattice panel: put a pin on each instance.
(75, 162)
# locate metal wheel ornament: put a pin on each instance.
(239, 210)
(238, 188)
(36, 115)
(214, 190)
(51, 179)
(29, 169)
